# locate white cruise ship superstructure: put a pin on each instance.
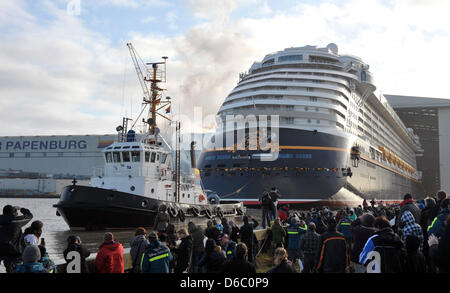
(336, 131)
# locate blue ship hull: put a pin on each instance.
(311, 168)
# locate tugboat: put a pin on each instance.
(138, 179)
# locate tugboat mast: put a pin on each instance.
(152, 96)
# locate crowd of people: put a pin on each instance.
(413, 236)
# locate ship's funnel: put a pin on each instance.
(193, 161)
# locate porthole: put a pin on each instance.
(153, 190)
(144, 204)
(132, 188)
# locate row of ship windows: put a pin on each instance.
(289, 98)
(268, 171)
(300, 80)
(258, 156)
(285, 88)
(135, 157)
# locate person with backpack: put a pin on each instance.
(415, 261)
(156, 257)
(11, 237)
(138, 245)
(388, 245)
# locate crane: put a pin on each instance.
(152, 96)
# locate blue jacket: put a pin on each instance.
(229, 250)
(294, 235)
(344, 227)
(438, 224)
(34, 267)
(156, 258)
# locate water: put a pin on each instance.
(56, 231)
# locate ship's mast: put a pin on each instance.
(153, 75)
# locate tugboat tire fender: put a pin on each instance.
(181, 215)
(172, 212)
(239, 211)
(208, 213)
(195, 211)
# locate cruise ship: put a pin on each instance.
(338, 141)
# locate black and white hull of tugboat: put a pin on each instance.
(90, 208)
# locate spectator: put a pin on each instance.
(157, 257)
(267, 207)
(440, 196)
(213, 259)
(248, 237)
(183, 252)
(48, 264)
(415, 261)
(172, 237)
(280, 260)
(438, 224)
(408, 204)
(138, 245)
(411, 228)
(74, 244)
(344, 227)
(11, 236)
(218, 226)
(211, 231)
(226, 227)
(235, 232)
(440, 249)
(362, 229)
(162, 220)
(293, 241)
(274, 196)
(110, 256)
(198, 247)
(425, 221)
(283, 213)
(278, 234)
(33, 233)
(228, 246)
(239, 264)
(309, 245)
(333, 256)
(352, 215)
(388, 245)
(31, 256)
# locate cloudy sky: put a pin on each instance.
(65, 67)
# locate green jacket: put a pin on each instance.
(278, 234)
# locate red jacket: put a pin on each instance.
(109, 258)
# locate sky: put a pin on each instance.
(65, 68)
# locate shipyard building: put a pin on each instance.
(43, 165)
(430, 120)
